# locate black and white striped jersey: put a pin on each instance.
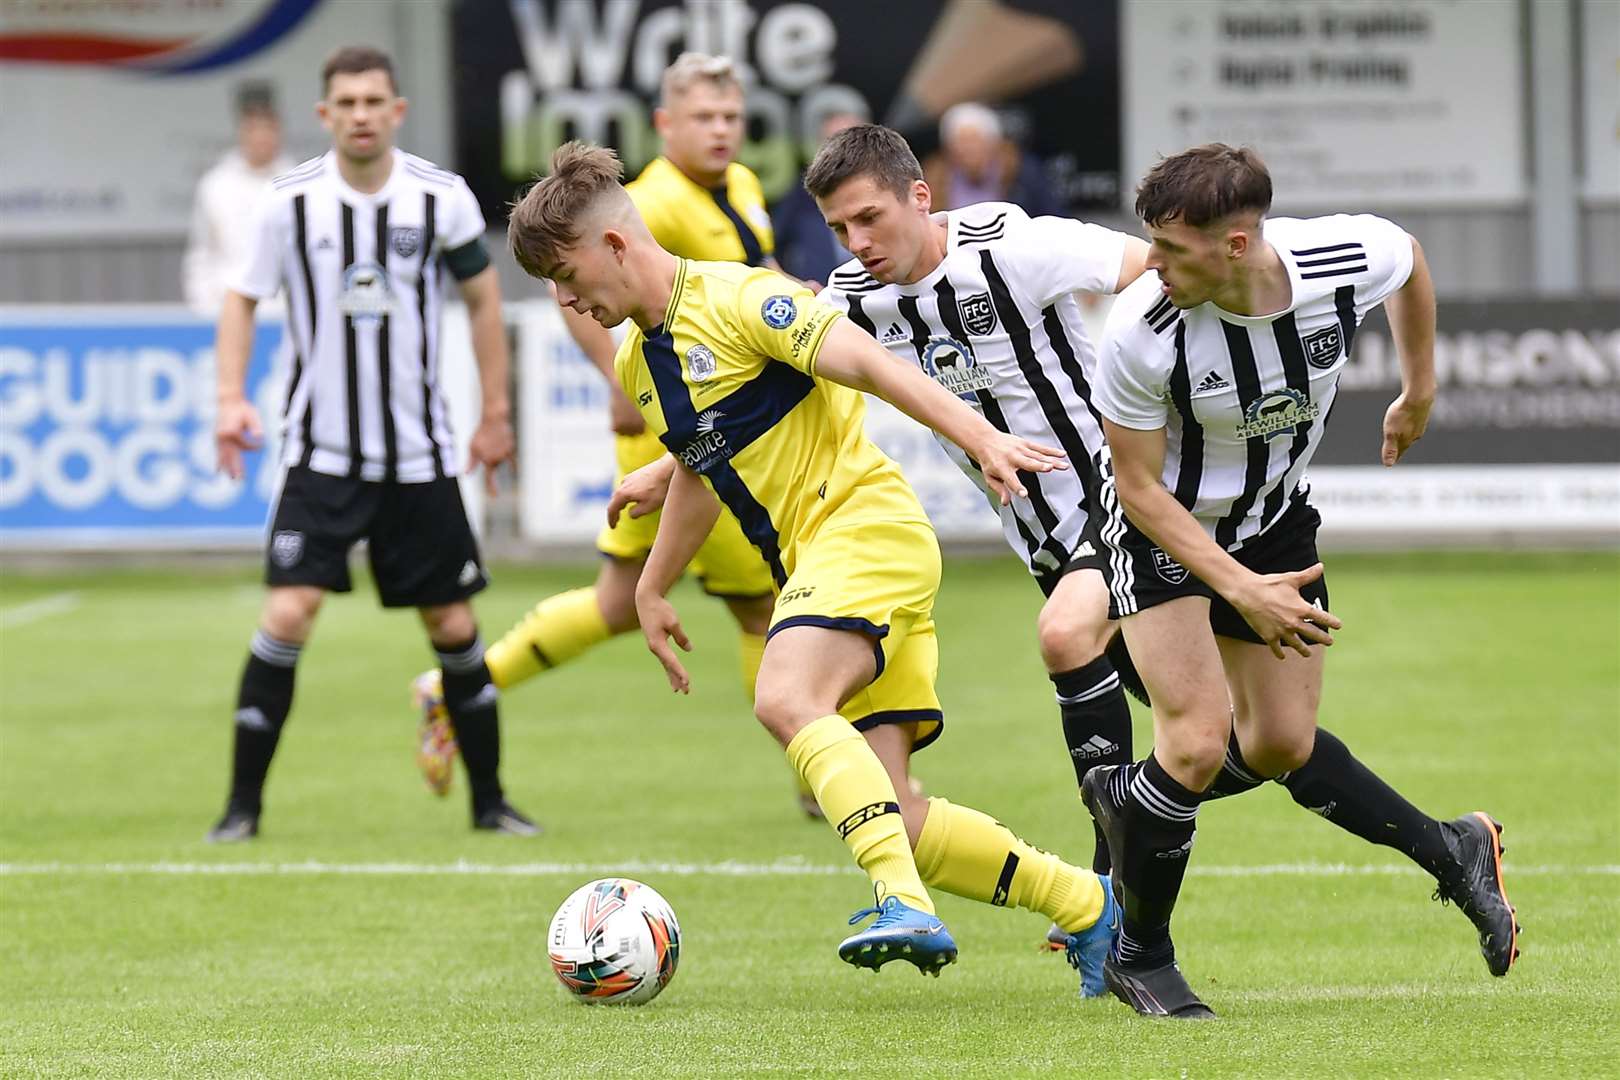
(1245, 401)
(364, 286)
(997, 323)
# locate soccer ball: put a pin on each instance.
(614, 941)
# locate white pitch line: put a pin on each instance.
(35, 610)
(672, 869)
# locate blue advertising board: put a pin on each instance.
(107, 431)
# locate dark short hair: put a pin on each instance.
(352, 60)
(256, 98)
(863, 150)
(1204, 184)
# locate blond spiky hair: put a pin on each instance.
(691, 68)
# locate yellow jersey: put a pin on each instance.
(728, 384)
(726, 224)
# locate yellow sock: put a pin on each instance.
(855, 794)
(557, 630)
(971, 854)
(750, 651)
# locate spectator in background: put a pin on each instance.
(977, 163)
(227, 194)
(805, 247)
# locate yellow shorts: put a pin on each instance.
(727, 564)
(878, 578)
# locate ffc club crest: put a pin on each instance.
(406, 240)
(1322, 346)
(978, 315)
(1167, 568)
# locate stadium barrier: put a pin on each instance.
(106, 434)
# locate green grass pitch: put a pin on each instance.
(1488, 682)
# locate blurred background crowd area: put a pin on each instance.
(138, 132)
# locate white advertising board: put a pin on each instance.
(107, 429)
(1600, 98)
(1405, 102)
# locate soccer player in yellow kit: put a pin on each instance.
(752, 385)
(700, 203)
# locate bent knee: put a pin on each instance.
(616, 594)
(1198, 759)
(618, 612)
(781, 713)
(449, 624)
(289, 612)
(1275, 754)
(1070, 638)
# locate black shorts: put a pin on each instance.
(1146, 576)
(1089, 554)
(422, 549)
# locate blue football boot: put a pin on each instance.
(901, 932)
(1088, 948)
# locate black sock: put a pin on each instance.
(1235, 776)
(1096, 726)
(1160, 821)
(262, 703)
(1336, 786)
(470, 697)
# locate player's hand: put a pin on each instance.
(643, 491)
(236, 429)
(1404, 423)
(659, 623)
(1273, 606)
(624, 417)
(491, 445)
(1004, 456)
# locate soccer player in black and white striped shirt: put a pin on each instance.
(983, 300)
(1217, 373)
(366, 240)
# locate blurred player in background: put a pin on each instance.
(700, 203)
(216, 243)
(747, 379)
(363, 237)
(805, 247)
(1218, 371)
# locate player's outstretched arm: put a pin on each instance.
(689, 515)
(236, 422)
(848, 355)
(643, 491)
(492, 443)
(1411, 310)
(1271, 603)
